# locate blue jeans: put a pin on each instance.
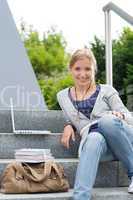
(115, 134)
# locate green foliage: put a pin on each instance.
(56, 56)
(98, 48)
(36, 52)
(122, 59)
(49, 60)
(47, 55)
(129, 79)
(50, 87)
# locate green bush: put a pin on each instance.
(50, 87)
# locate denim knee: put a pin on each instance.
(107, 122)
(95, 138)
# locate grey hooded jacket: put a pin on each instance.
(107, 100)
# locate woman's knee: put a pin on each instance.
(94, 141)
(108, 122)
(95, 138)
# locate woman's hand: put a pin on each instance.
(67, 134)
(118, 114)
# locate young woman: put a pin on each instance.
(99, 116)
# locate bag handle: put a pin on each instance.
(58, 172)
(34, 176)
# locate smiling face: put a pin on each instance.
(83, 72)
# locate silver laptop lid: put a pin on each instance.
(12, 115)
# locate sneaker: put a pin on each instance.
(130, 188)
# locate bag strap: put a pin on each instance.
(59, 173)
(34, 176)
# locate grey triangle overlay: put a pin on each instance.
(17, 78)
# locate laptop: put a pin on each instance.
(24, 131)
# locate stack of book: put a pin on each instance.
(33, 155)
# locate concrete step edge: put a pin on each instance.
(58, 160)
(14, 134)
(97, 193)
(37, 195)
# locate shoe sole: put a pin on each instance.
(131, 192)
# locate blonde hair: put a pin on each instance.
(83, 53)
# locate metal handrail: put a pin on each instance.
(108, 41)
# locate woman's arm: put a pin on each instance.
(68, 132)
(67, 120)
(116, 104)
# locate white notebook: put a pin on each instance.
(33, 155)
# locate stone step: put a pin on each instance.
(119, 193)
(52, 120)
(109, 173)
(10, 142)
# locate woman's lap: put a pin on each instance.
(108, 155)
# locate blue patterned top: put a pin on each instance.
(86, 106)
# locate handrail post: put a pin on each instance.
(108, 42)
